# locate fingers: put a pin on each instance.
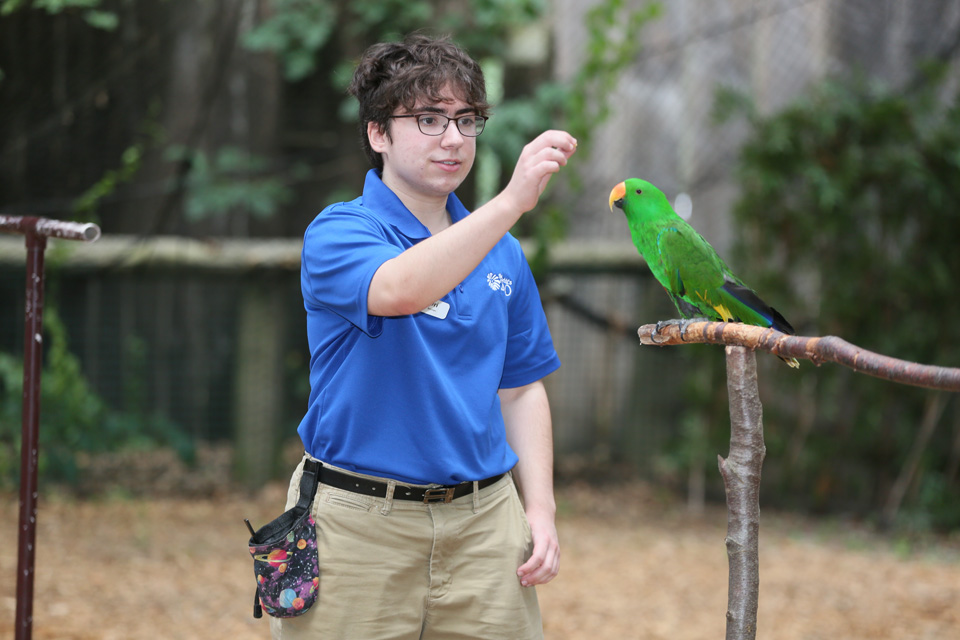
(538, 163)
(557, 140)
(552, 147)
(544, 562)
(542, 567)
(540, 159)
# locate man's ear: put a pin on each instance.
(378, 137)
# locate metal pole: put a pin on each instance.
(36, 231)
(29, 446)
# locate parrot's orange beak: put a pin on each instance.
(617, 195)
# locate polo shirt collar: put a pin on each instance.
(379, 198)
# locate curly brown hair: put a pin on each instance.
(392, 74)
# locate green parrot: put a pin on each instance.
(697, 279)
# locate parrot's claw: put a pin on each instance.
(683, 324)
(661, 324)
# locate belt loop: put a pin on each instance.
(388, 499)
(476, 496)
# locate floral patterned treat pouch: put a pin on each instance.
(285, 559)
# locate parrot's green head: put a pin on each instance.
(638, 199)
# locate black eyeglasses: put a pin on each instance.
(434, 124)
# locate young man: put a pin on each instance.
(428, 348)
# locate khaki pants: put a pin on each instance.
(406, 570)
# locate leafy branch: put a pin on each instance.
(88, 9)
(612, 46)
(297, 30)
(233, 179)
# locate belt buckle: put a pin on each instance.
(438, 494)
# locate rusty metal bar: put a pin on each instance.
(36, 232)
(24, 225)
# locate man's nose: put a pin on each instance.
(451, 136)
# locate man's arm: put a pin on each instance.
(427, 271)
(526, 414)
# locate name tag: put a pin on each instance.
(438, 309)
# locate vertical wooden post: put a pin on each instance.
(741, 480)
(257, 405)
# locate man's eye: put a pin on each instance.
(428, 121)
(468, 121)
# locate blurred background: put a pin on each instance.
(814, 143)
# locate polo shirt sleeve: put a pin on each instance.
(342, 248)
(530, 354)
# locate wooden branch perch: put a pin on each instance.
(815, 349)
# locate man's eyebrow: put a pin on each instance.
(435, 109)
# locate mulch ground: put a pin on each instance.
(634, 565)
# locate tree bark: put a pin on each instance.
(741, 480)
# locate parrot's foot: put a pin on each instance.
(683, 324)
(661, 324)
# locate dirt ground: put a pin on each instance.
(634, 565)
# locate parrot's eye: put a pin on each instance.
(639, 192)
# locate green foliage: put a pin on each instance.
(936, 504)
(517, 121)
(149, 136)
(298, 29)
(388, 19)
(613, 44)
(295, 31)
(73, 418)
(88, 9)
(849, 214)
(581, 105)
(232, 180)
(86, 204)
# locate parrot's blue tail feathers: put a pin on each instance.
(751, 300)
(780, 323)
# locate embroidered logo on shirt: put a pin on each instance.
(498, 283)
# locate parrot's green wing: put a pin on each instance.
(700, 281)
(691, 271)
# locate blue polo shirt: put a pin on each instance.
(413, 397)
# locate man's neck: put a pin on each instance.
(431, 212)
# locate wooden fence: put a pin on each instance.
(223, 348)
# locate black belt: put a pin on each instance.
(441, 493)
